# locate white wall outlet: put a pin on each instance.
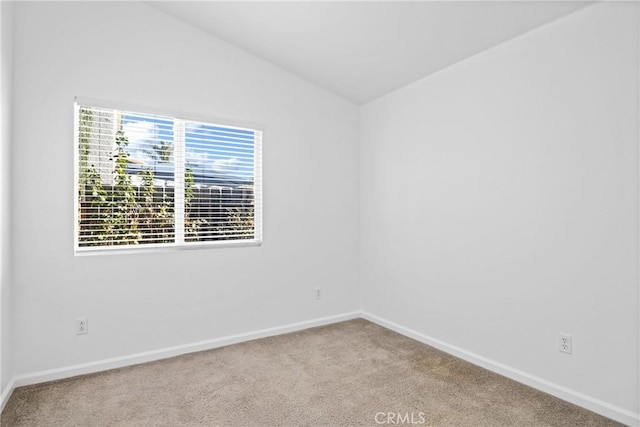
(318, 293)
(565, 343)
(82, 326)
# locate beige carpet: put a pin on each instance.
(347, 374)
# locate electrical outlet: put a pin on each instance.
(318, 293)
(82, 326)
(565, 343)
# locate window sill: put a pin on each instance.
(164, 247)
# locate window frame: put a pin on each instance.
(166, 247)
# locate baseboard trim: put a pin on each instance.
(164, 353)
(6, 394)
(598, 406)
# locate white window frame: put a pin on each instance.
(177, 245)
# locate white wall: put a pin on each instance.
(6, 15)
(499, 204)
(136, 54)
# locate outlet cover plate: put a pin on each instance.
(565, 343)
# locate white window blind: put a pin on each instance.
(161, 181)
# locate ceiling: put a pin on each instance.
(365, 49)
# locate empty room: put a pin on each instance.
(366, 213)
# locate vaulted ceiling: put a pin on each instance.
(361, 50)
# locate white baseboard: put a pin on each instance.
(6, 394)
(598, 406)
(588, 402)
(164, 353)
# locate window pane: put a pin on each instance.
(125, 186)
(220, 173)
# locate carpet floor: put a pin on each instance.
(352, 373)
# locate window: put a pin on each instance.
(147, 180)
